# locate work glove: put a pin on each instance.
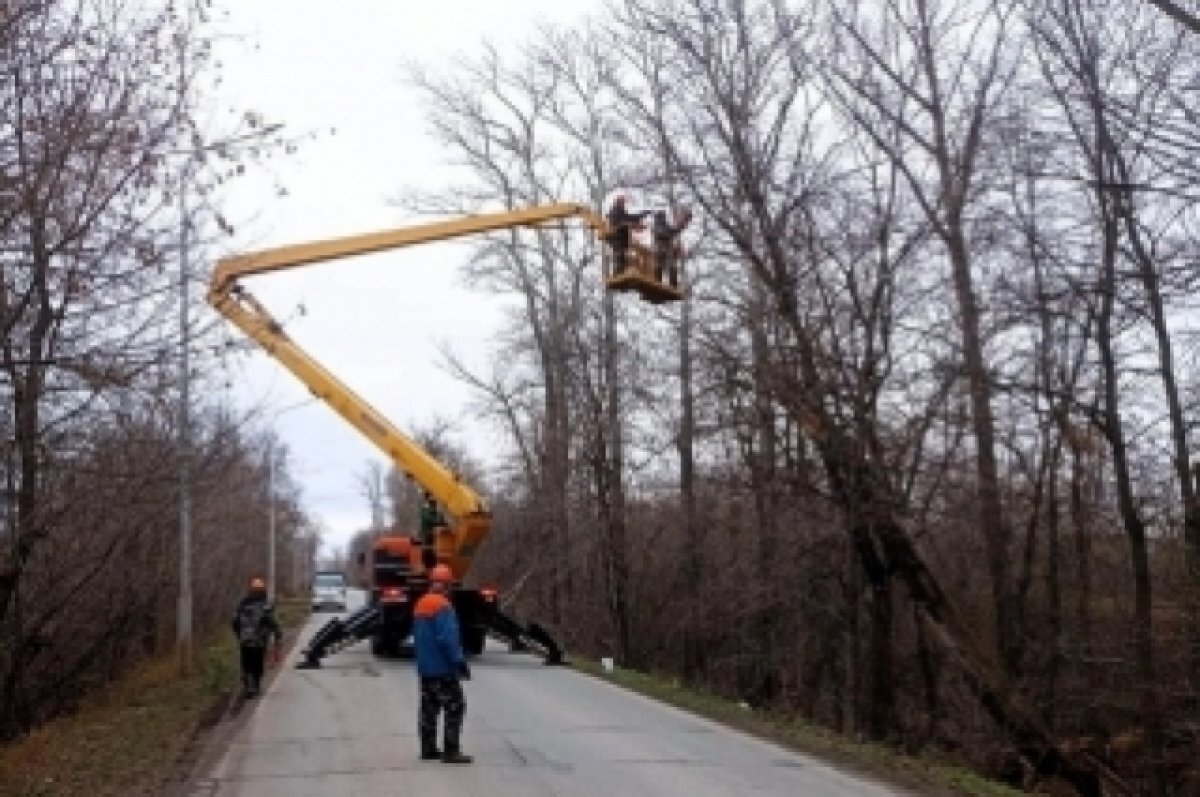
(464, 672)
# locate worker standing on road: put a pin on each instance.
(622, 223)
(255, 625)
(440, 665)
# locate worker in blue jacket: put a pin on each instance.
(440, 665)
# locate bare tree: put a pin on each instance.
(372, 483)
(100, 118)
(933, 70)
(1088, 60)
(890, 407)
(1177, 13)
(493, 118)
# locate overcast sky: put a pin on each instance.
(376, 321)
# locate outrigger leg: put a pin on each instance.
(523, 637)
(339, 633)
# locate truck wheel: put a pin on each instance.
(379, 645)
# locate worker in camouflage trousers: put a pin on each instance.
(255, 626)
(622, 222)
(666, 244)
(440, 665)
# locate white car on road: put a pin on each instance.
(329, 590)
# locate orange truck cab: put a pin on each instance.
(399, 577)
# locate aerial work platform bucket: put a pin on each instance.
(649, 288)
(638, 276)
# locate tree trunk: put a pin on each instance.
(1053, 594)
(856, 496)
(28, 385)
(881, 710)
(1080, 520)
(885, 545)
(693, 541)
(615, 506)
(930, 680)
(559, 443)
(1181, 449)
(852, 649)
(766, 504)
(992, 518)
(1135, 528)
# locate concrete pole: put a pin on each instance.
(270, 521)
(184, 646)
(271, 535)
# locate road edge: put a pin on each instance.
(210, 740)
(914, 775)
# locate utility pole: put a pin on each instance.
(183, 638)
(184, 647)
(271, 521)
(271, 535)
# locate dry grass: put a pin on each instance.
(128, 738)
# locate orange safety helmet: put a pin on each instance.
(258, 585)
(441, 575)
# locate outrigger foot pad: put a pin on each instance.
(551, 650)
(521, 638)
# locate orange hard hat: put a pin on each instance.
(441, 575)
(258, 584)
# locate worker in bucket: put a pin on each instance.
(255, 626)
(622, 223)
(667, 250)
(440, 666)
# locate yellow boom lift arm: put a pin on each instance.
(471, 520)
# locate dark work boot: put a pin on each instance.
(456, 757)
(429, 750)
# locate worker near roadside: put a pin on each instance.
(255, 626)
(666, 244)
(440, 666)
(621, 222)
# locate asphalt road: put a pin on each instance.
(349, 729)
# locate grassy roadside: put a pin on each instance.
(128, 738)
(921, 775)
